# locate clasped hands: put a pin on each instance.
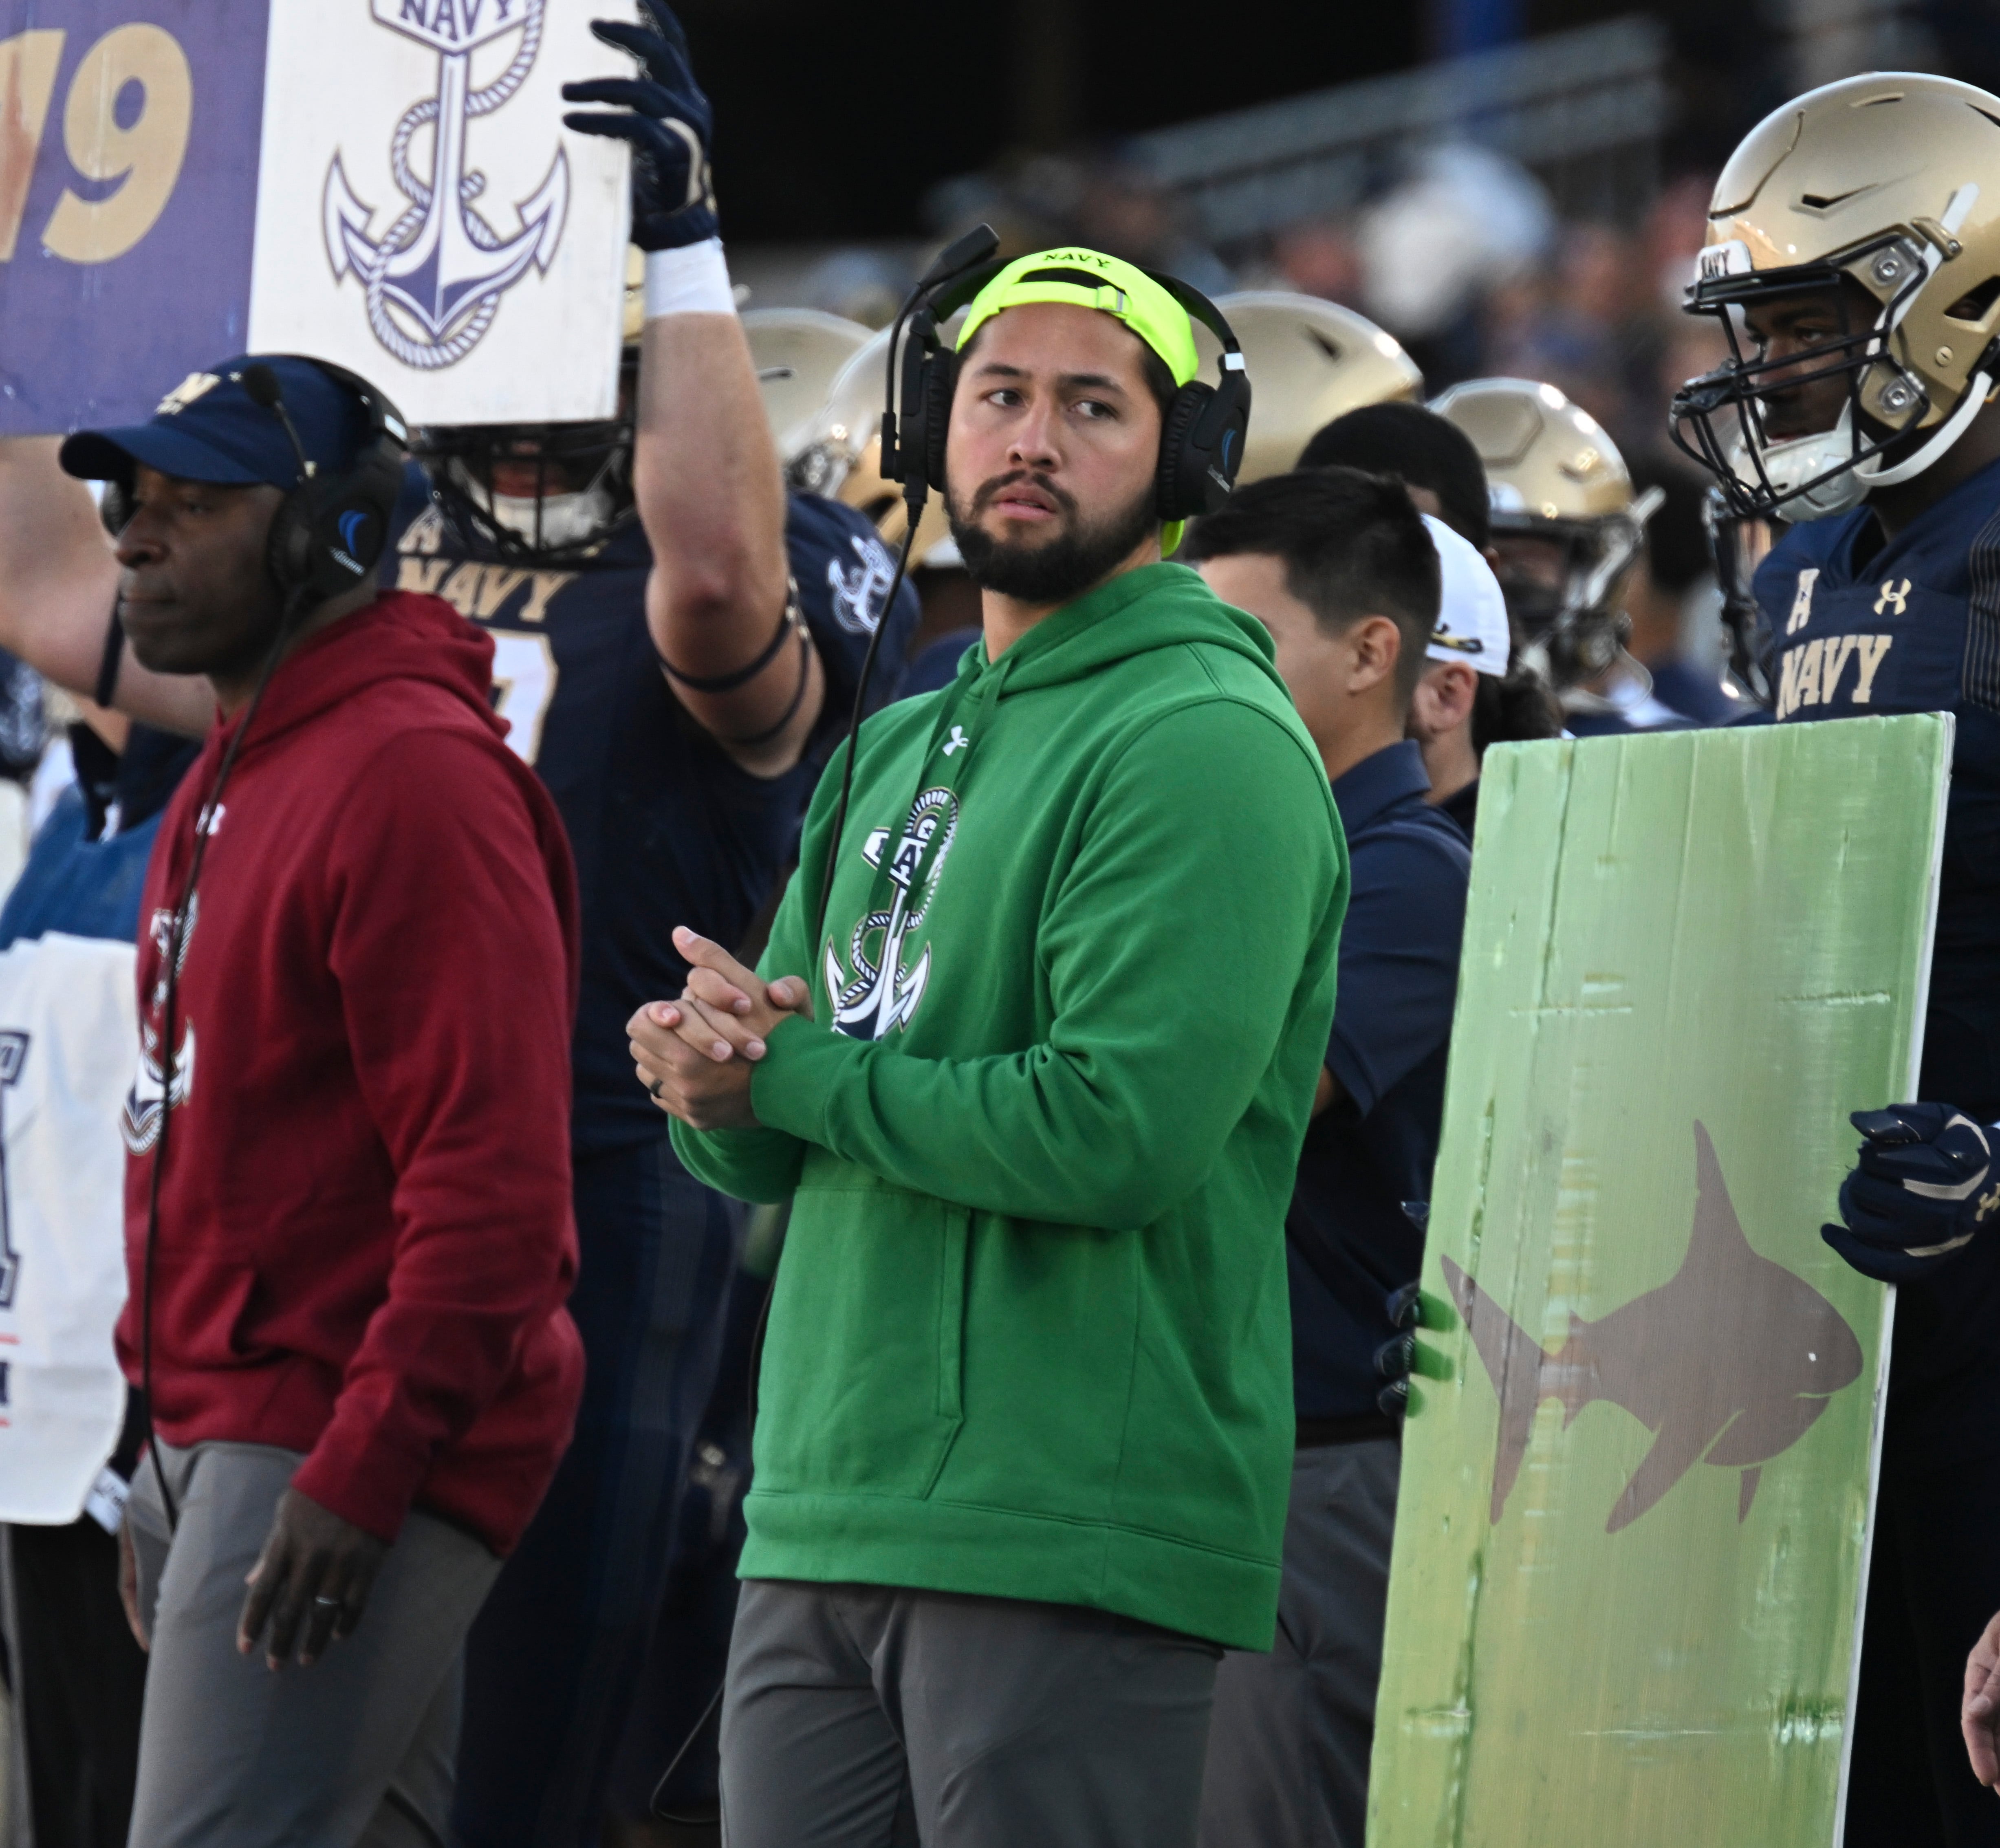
(695, 1055)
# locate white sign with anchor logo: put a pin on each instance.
(424, 218)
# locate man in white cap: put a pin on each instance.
(1467, 698)
(1338, 564)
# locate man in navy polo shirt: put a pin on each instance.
(1339, 566)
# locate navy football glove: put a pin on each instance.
(1922, 1190)
(668, 120)
(1395, 1359)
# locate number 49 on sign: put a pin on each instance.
(125, 122)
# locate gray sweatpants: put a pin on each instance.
(851, 1709)
(1288, 1752)
(357, 1749)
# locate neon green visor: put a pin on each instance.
(1091, 279)
(1120, 289)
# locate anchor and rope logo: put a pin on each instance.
(434, 279)
(885, 991)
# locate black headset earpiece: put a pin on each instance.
(1201, 438)
(329, 535)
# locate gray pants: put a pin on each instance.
(1288, 1752)
(852, 1710)
(357, 1749)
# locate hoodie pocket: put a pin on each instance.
(861, 1390)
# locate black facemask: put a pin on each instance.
(1062, 568)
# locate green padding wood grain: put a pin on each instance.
(1638, 1475)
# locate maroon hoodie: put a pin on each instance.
(365, 1239)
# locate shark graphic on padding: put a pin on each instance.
(1729, 1363)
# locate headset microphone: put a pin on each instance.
(260, 383)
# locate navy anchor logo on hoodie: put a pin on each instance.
(883, 993)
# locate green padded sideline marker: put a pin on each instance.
(1638, 1474)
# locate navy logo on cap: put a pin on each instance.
(196, 384)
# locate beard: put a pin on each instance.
(1055, 570)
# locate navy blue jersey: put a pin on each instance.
(1861, 626)
(1354, 1231)
(667, 828)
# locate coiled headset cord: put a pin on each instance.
(853, 737)
(206, 819)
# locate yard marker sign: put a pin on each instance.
(1639, 1467)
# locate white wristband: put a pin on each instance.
(691, 280)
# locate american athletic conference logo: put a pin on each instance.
(884, 993)
(433, 281)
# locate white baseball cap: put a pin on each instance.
(1472, 614)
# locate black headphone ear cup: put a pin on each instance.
(329, 534)
(288, 551)
(1178, 490)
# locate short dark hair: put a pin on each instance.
(1418, 447)
(1157, 374)
(1353, 545)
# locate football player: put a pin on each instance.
(798, 353)
(674, 638)
(1309, 361)
(1568, 529)
(1853, 260)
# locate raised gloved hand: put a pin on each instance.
(664, 116)
(1922, 1189)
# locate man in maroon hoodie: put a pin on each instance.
(349, 1224)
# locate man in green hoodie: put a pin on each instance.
(1025, 1423)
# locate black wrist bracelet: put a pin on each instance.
(791, 711)
(722, 683)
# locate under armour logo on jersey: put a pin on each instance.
(1894, 597)
(957, 741)
(1802, 601)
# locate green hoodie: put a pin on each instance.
(1030, 1337)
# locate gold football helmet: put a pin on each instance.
(798, 353)
(1565, 522)
(840, 456)
(1309, 361)
(1883, 192)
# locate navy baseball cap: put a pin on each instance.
(209, 429)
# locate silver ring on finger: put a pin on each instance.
(331, 1603)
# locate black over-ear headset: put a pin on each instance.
(329, 533)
